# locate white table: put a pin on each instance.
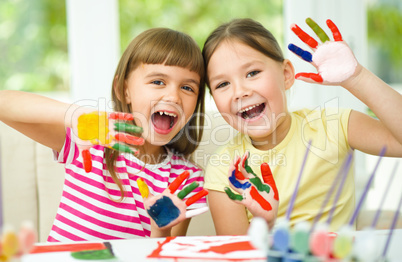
(138, 249)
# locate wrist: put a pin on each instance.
(157, 232)
(355, 80)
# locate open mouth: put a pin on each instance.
(252, 111)
(164, 121)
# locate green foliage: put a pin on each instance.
(385, 30)
(33, 44)
(195, 17)
(384, 23)
(33, 33)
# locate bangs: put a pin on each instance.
(171, 48)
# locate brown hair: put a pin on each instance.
(171, 48)
(246, 31)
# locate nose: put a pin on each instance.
(172, 95)
(241, 91)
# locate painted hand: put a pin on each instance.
(168, 209)
(93, 128)
(334, 60)
(261, 198)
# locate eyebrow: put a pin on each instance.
(244, 66)
(157, 74)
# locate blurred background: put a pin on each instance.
(34, 44)
(69, 49)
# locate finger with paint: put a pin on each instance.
(169, 209)
(334, 60)
(9, 244)
(260, 197)
(106, 129)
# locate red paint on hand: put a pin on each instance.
(177, 182)
(87, 160)
(121, 116)
(196, 197)
(269, 179)
(304, 36)
(259, 199)
(315, 77)
(129, 139)
(335, 31)
(239, 175)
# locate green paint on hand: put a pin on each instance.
(317, 30)
(185, 191)
(259, 185)
(248, 168)
(232, 195)
(122, 148)
(127, 128)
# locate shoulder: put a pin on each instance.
(225, 154)
(318, 117)
(325, 127)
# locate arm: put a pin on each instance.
(41, 119)
(229, 217)
(386, 103)
(181, 228)
(336, 65)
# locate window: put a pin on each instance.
(384, 27)
(33, 44)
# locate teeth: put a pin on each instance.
(167, 113)
(248, 108)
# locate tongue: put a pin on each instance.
(161, 121)
(253, 112)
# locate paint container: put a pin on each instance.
(320, 241)
(281, 236)
(343, 243)
(300, 236)
(293, 257)
(367, 248)
(259, 234)
(274, 256)
(311, 258)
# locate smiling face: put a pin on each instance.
(162, 98)
(249, 90)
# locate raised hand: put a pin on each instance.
(334, 60)
(168, 209)
(260, 197)
(94, 128)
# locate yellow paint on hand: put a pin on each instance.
(143, 187)
(9, 244)
(94, 126)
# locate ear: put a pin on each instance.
(289, 73)
(119, 94)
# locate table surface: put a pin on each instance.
(138, 249)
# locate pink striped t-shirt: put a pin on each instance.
(86, 210)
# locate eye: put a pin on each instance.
(222, 85)
(253, 73)
(188, 88)
(158, 82)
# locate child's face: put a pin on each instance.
(163, 98)
(249, 89)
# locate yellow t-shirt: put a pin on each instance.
(328, 131)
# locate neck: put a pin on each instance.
(275, 137)
(151, 154)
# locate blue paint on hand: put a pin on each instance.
(237, 183)
(163, 211)
(305, 55)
